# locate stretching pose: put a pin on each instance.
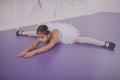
(52, 33)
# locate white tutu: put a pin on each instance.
(68, 32)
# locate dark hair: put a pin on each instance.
(43, 29)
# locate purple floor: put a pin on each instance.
(65, 62)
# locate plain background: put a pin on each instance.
(18, 13)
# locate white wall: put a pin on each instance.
(33, 12)
(8, 17)
(18, 13)
(103, 6)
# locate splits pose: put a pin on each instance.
(55, 32)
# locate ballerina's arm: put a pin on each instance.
(50, 45)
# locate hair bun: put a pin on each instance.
(42, 28)
(45, 28)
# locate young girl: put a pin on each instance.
(52, 33)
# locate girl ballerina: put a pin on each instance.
(52, 33)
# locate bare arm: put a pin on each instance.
(42, 49)
(30, 47)
(45, 48)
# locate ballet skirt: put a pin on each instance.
(68, 33)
